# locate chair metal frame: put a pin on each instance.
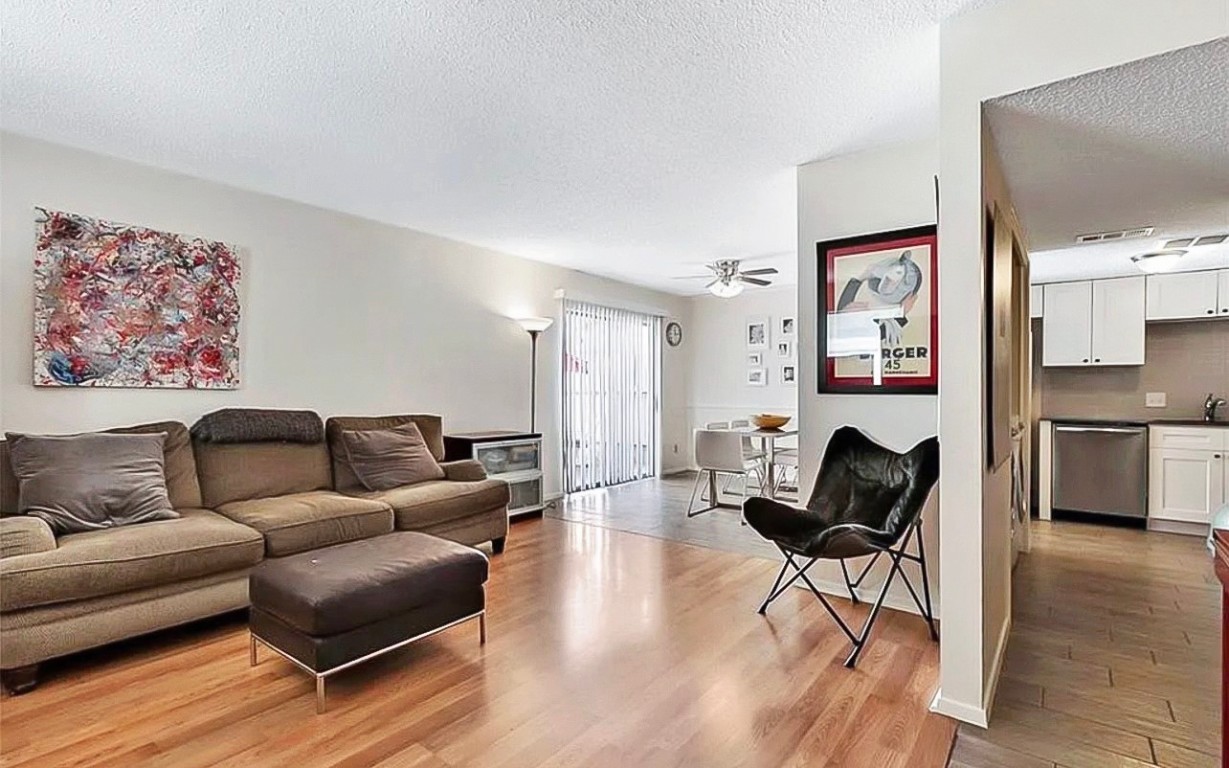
(711, 473)
(897, 554)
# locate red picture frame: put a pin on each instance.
(880, 286)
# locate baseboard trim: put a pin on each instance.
(958, 710)
(996, 669)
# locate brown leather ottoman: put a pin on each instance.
(332, 608)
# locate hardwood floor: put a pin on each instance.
(1114, 655)
(658, 508)
(605, 649)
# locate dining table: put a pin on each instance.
(768, 439)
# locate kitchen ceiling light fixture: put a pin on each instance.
(1158, 261)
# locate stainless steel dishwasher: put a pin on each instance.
(1101, 469)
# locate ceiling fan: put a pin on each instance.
(728, 280)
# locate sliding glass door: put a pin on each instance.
(611, 386)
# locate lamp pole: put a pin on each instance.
(533, 380)
(534, 326)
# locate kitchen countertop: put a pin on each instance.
(1160, 422)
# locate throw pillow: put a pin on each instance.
(89, 482)
(389, 458)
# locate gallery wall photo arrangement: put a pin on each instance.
(878, 313)
(118, 305)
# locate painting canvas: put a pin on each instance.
(125, 306)
(878, 313)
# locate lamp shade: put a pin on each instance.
(726, 290)
(535, 324)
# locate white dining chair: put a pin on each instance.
(750, 449)
(720, 452)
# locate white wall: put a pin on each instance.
(717, 358)
(998, 49)
(867, 192)
(340, 314)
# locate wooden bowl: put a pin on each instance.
(769, 420)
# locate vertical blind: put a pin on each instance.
(611, 385)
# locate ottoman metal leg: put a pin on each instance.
(482, 628)
(319, 694)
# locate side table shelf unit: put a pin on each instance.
(511, 456)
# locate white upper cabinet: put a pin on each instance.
(1094, 322)
(1036, 300)
(1118, 321)
(1186, 295)
(1222, 304)
(1066, 337)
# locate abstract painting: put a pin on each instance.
(125, 306)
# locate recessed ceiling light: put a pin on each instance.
(1158, 261)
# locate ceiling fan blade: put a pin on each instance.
(753, 280)
(761, 271)
(710, 285)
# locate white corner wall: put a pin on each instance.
(874, 191)
(998, 49)
(341, 315)
(717, 359)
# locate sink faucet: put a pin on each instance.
(1210, 405)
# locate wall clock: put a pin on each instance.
(674, 334)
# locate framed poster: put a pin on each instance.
(878, 313)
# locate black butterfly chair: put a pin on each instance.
(867, 500)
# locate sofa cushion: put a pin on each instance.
(96, 563)
(241, 471)
(90, 482)
(259, 425)
(181, 485)
(24, 535)
(389, 458)
(438, 501)
(303, 521)
(344, 478)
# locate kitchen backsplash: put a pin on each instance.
(1186, 361)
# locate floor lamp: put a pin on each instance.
(535, 326)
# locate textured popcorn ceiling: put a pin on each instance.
(629, 138)
(1145, 143)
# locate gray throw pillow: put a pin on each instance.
(89, 482)
(390, 458)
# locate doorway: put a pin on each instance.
(611, 396)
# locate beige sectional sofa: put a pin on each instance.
(238, 503)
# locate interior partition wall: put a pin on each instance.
(611, 395)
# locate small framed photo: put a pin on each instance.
(789, 375)
(757, 333)
(785, 350)
(788, 326)
(755, 359)
(757, 377)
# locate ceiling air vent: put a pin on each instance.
(1118, 234)
(1181, 242)
(1211, 240)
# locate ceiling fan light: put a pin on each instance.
(726, 289)
(1158, 261)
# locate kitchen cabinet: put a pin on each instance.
(1036, 301)
(1118, 321)
(1188, 473)
(1094, 322)
(1222, 292)
(1067, 330)
(1185, 295)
